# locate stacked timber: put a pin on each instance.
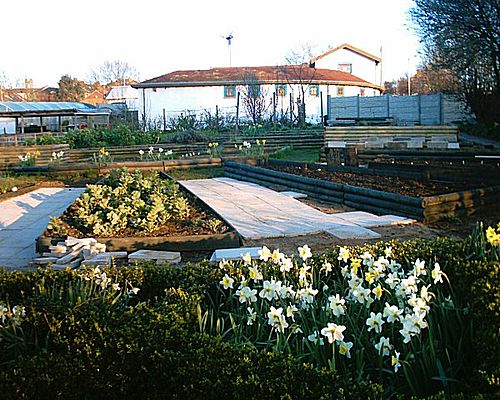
(74, 253)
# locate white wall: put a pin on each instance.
(362, 67)
(200, 99)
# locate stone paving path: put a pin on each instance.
(257, 212)
(25, 217)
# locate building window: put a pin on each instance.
(253, 91)
(281, 90)
(340, 91)
(229, 91)
(362, 91)
(345, 68)
(314, 90)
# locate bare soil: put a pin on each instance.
(408, 187)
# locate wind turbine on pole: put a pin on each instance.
(229, 38)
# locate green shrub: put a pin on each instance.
(118, 135)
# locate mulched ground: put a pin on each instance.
(403, 186)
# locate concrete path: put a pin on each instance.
(25, 217)
(257, 212)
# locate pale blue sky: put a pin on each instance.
(45, 39)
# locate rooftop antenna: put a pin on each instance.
(229, 38)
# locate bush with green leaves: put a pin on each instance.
(118, 135)
(130, 203)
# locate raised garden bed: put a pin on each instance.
(136, 211)
(420, 201)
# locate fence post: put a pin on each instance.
(321, 107)
(291, 111)
(388, 105)
(419, 109)
(164, 121)
(441, 113)
(238, 112)
(357, 105)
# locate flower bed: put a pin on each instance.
(426, 208)
(141, 210)
(135, 331)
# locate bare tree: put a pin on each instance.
(254, 98)
(4, 83)
(298, 71)
(464, 37)
(114, 71)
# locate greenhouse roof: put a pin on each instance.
(42, 108)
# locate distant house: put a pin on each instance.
(343, 71)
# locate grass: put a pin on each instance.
(7, 182)
(300, 155)
(196, 173)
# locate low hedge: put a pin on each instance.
(74, 345)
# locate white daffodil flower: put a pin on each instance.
(304, 252)
(276, 319)
(384, 346)
(264, 253)
(337, 305)
(333, 332)
(345, 348)
(392, 313)
(227, 282)
(375, 322)
(395, 361)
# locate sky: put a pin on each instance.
(43, 40)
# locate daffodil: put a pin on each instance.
(247, 258)
(254, 274)
(378, 291)
(345, 348)
(227, 282)
(492, 236)
(264, 253)
(343, 254)
(252, 316)
(315, 338)
(276, 256)
(327, 267)
(337, 305)
(395, 361)
(268, 291)
(437, 274)
(392, 313)
(286, 264)
(306, 295)
(355, 264)
(383, 346)
(276, 319)
(247, 295)
(305, 252)
(333, 332)
(375, 322)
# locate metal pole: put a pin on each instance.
(321, 105)
(164, 121)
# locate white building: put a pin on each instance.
(124, 94)
(343, 71)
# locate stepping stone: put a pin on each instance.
(294, 195)
(161, 257)
(235, 254)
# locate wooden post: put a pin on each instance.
(164, 121)
(321, 107)
(59, 123)
(238, 112)
(274, 110)
(291, 111)
(217, 117)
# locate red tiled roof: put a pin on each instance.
(265, 75)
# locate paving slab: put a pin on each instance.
(23, 218)
(257, 212)
(235, 254)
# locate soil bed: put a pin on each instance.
(408, 187)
